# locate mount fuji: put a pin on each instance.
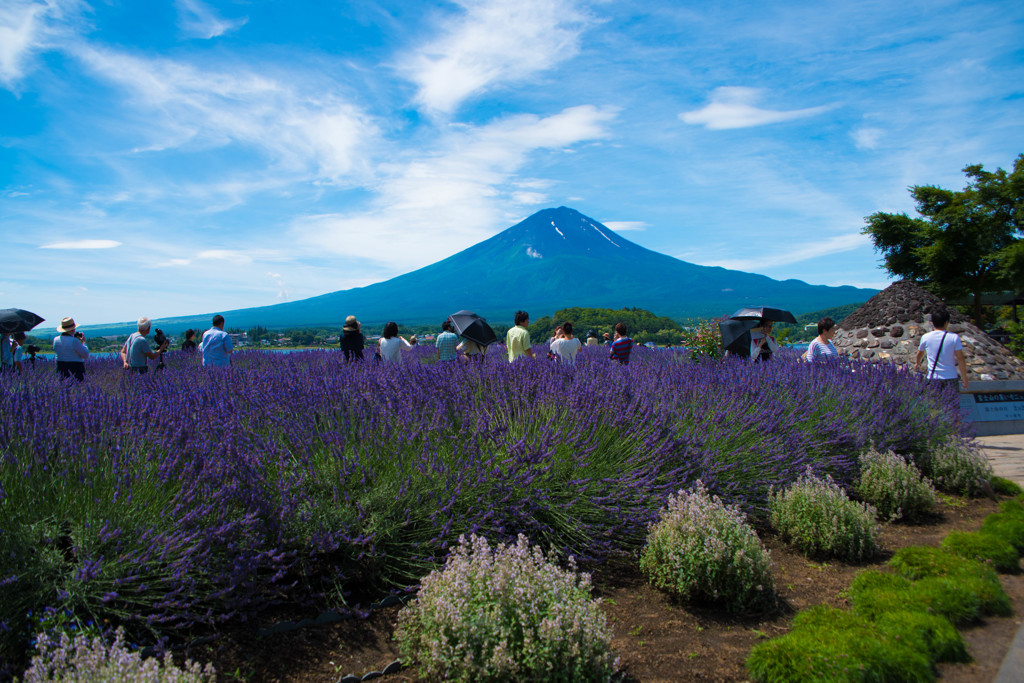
(556, 258)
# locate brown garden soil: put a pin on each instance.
(656, 639)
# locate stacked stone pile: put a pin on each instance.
(889, 326)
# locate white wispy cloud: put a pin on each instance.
(301, 127)
(83, 244)
(430, 206)
(493, 42)
(733, 107)
(27, 27)
(625, 226)
(867, 137)
(200, 21)
(233, 256)
(174, 263)
(789, 254)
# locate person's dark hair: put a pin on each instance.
(621, 328)
(940, 317)
(190, 333)
(19, 337)
(447, 325)
(825, 324)
(390, 330)
(567, 328)
(522, 317)
(218, 320)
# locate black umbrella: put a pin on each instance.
(472, 327)
(17, 320)
(736, 334)
(764, 313)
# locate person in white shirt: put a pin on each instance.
(70, 350)
(944, 351)
(392, 344)
(821, 348)
(216, 346)
(567, 346)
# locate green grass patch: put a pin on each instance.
(1008, 526)
(1005, 487)
(984, 548)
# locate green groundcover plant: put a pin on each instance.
(704, 550)
(1005, 487)
(946, 574)
(1008, 526)
(507, 613)
(90, 660)
(984, 548)
(828, 644)
(817, 517)
(894, 486)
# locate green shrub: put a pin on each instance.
(827, 644)
(930, 633)
(960, 467)
(964, 576)
(1005, 487)
(1014, 508)
(702, 549)
(894, 486)
(86, 660)
(817, 517)
(504, 614)
(1007, 526)
(984, 548)
(875, 594)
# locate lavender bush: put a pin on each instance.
(191, 498)
(503, 614)
(817, 516)
(702, 549)
(90, 660)
(894, 486)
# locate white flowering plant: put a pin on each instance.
(91, 660)
(894, 486)
(960, 467)
(506, 613)
(817, 517)
(704, 550)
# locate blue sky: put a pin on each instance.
(174, 157)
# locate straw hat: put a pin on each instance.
(67, 325)
(351, 324)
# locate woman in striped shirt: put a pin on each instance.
(821, 349)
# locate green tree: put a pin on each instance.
(964, 243)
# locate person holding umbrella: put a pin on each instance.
(762, 343)
(70, 350)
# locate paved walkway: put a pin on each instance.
(1006, 453)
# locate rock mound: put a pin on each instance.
(889, 326)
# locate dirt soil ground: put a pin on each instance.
(656, 639)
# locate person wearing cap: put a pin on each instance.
(70, 350)
(352, 340)
(216, 346)
(136, 350)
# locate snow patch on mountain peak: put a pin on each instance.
(533, 253)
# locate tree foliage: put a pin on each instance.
(964, 242)
(642, 325)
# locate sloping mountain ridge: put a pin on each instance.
(553, 259)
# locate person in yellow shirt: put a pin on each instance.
(518, 338)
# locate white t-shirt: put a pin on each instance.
(566, 349)
(390, 348)
(946, 368)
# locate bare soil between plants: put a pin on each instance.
(655, 638)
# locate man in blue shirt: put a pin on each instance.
(216, 346)
(446, 342)
(136, 350)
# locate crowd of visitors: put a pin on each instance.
(942, 349)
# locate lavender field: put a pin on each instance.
(188, 500)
